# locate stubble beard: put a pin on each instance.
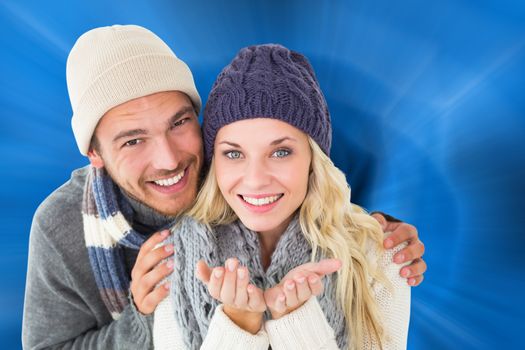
(160, 209)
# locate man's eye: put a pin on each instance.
(233, 154)
(180, 122)
(281, 153)
(133, 142)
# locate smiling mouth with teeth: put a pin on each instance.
(261, 201)
(171, 181)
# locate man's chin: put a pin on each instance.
(167, 212)
(169, 207)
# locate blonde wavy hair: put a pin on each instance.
(340, 230)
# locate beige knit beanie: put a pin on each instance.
(108, 66)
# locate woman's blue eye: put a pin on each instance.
(233, 154)
(281, 153)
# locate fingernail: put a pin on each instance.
(389, 243)
(300, 279)
(405, 272)
(411, 281)
(290, 285)
(167, 286)
(217, 273)
(250, 288)
(169, 264)
(241, 273)
(230, 264)
(164, 233)
(168, 248)
(399, 258)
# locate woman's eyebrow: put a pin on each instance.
(282, 139)
(273, 143)
(230, 144)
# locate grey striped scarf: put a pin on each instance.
(107, 219)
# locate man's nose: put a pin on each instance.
(165, 155)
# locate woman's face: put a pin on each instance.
(262, 167)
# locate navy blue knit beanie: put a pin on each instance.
(267, 81)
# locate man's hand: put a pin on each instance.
(298, 286)
(147, 273)
(242, 302)
(402, 232)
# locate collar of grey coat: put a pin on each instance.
(142, 217)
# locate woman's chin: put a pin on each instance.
(259, 227)
(265, 225)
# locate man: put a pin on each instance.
(93, 267)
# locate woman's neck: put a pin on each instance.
(268, 241)
(268, 245)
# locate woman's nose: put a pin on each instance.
(256, 175)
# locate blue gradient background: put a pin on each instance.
(428, 115)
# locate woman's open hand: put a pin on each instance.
(243, 302)
(299, 285)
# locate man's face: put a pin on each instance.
(152, 148)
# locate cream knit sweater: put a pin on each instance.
(305, 328)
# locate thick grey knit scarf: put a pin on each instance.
(194, 307)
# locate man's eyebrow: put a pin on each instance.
(129, 133)
(138, 132)
(180, 113)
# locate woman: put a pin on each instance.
(276, 213)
